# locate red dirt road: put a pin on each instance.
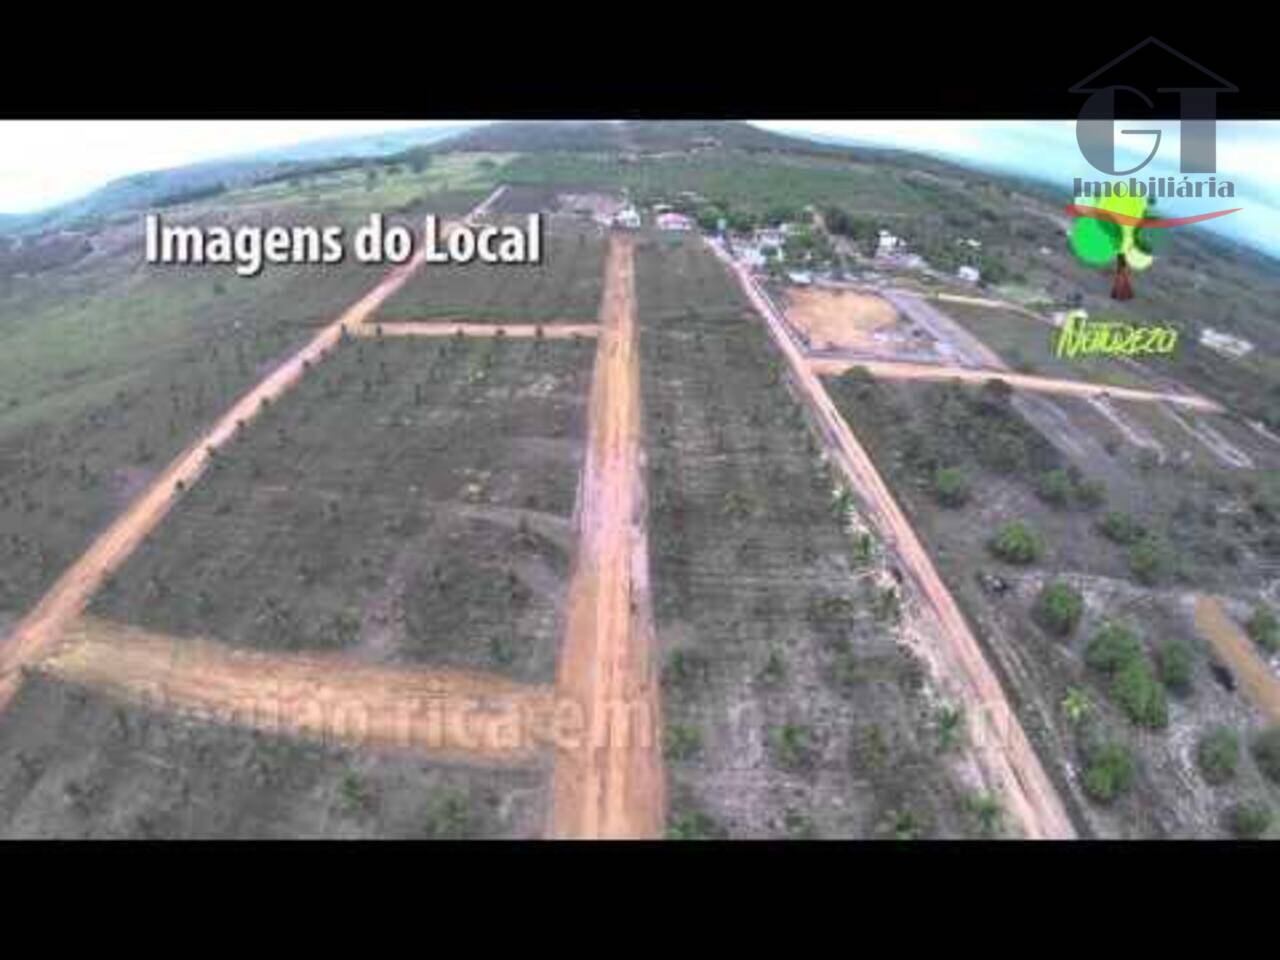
(928, 371)
(612, 786)
(1004, 750)
(1259, 684)
(444, 714)
(41, 628)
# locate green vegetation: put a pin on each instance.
(1264, 629)
(987, 814)
(1109, 770)
(951, 486)
(1266, 751)
(1122, 528)
(694, 824)
(1174, 660)
(1058, 608)
(1015, 542)
(683, 743)
(1150, 560)
(1065, 487)
(793, 746)
(1247, 821)
(448, 816)
(1218, 755)
(1137, 691)
(1111, 648)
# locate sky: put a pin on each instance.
(47, 162)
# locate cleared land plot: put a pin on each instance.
(565, 286)
(77, 763)
(843, 319)
(410, 500)
(789, 708)
(1182, 530)
(1027, 345)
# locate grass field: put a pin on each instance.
(76, 764)
(790, 710)
(565, 286)
(410, 499)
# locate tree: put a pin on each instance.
(1109, 770)
(1149, 560)
(1058, 608)
(1121, 528)
(1142, 698)
(1112, 648)
(1015, 542)
(1174, 659)
(1055, 487)
(1218, 755)
(950, 486)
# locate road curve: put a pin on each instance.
(1004, 750)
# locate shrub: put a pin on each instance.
(1175, 666)
(694, 825)
(1055, 487)
(1140, 695)
(1109, 771)
(1266, 750)
(448, 817)
(683, 742)
(1015, 542)
(1148, 560)
(1264, 629)
(950, 487)
(1058, 608)
(1247, 821)
(1121, 528)
(792, 746)
(1218, 755)
(1111, 648)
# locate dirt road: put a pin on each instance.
(551, 331)
(1259, 684)
(909, 370)
(1006, 754)
(613, 786)
(34, 635)
(445, 714)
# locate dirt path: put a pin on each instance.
(1260, 685)
(945, 331)
(40, 629)
(1006, 754)
(909, 370)
(445, 714)
(551, 331)
(613, 785)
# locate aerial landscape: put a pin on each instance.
(752, 492)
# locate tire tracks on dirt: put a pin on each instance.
(613, 785)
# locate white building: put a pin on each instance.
(749, 255)
(969, 274)
(674, 221)
(887, 242)
(1225, 343)
(801, 278)
(628, 217)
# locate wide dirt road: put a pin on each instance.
(34, 635)
(612, 785)
(1003, 748)
(440, 713)
(909, 370)
(426, 328)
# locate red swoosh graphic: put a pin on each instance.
(1079, 211)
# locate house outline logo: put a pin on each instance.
(1095, 125)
